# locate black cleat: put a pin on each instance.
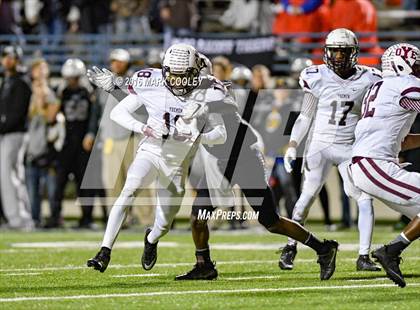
(327, 260)
(203, 271)
(149, 257)
(364, 263)
(287, 257)
(390, 263)
(101, 260)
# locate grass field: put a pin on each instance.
(47, 270)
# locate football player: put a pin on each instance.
(332, 101)
(388, 112)
(326, 250)
(169, 144)
(240, 162)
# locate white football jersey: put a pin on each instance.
(339, 101)
(385, 122)
(165, 109)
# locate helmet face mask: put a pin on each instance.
(181, 69)
(341, 58)
(341, 51)
(181, 84)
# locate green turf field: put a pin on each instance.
(47, 270)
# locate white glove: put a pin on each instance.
(195, 110)
(289, 157)
(103, 79)
(187, 130)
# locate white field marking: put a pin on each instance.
(234, 291)
(22, 274)
(136, 244)
(87, 244)
(251, 278)
(137, 275)
(370, 279)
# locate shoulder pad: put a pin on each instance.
(143, 78)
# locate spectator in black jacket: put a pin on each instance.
(15, 95)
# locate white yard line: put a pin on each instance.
(141, 275)
(235, 291)
(22, 274)
(251, 278)
(368, 279)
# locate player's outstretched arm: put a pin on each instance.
(218, 134)
(300, 129)
(122, 114)
(412, 141)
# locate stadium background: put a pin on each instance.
(274, 33)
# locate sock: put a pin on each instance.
(202, 255)
(300, 212)
(316, 244)
(106, 250)
(365, 225)
(398, 245)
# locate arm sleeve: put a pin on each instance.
(218, 134)
(122, 114)
(410, 99)
(303, 122)
(226, 105)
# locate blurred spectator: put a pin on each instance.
(41, 145)
(179, 17)
(362, 19)
(94, 15)
(52, 16)
(15, 95)
(241, 15)
(7, 19)
(131, 16)
(294, 16)
(154, 58)
(241, 76)
(80, 132)
(222, 68)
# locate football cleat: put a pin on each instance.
(202, 271)
(149, 257)
(327, 260)
(287, 257)
(364, 263)
(391, 265)
(101, 260)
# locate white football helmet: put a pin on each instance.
(73, 67)
(341, 50)
(299, 64)
(401, 59)
(119, 54)
(241, 73)
(181, 69)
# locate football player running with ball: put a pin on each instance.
(332, 102)
(388, 112)
(169, 143)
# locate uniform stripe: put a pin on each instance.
(380, 185)
(131, 90)
(392, 180)
(411, 90)
(410, 104)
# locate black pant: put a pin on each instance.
(73, 159)
(249, 175)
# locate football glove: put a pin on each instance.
(103, 79)
(289, 157)
(195, 110)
